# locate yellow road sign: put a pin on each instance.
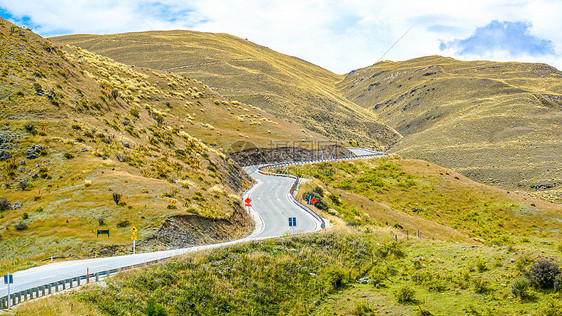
(134, 230)
(133, 237)
(244, 184)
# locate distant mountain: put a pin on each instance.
(282, 85)
(498, 123)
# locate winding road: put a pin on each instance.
(272, 205)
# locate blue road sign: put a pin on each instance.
(292, 221)
(8, 278)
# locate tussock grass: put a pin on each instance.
(411, 194)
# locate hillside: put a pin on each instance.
(88, 143)
(497, 123)
(476, 253)
(282, 85)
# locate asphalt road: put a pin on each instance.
(271, 199)
(271, 208)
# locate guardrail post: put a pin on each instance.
(108, 273)
(64, 285)
(49, 288)
(78, 279)
(97, 276)
(71, 282)
(2, 304)
(43, 291)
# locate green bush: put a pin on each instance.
(361, 308)
(334, 277)
(405, 294)
(542, 274)
(68, 156)
(519, 287)
(481, 266)
(134, 112)
(5, 204)
(25, 216)
(155, 309)
(481, 285)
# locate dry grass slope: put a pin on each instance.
(285, 86)
(497, 123)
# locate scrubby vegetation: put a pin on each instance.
(412, 195)
(328, 274)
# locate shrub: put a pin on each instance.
(361, 308)
(405, 294)
(134, 112)
(20, 226)
(68, 156)
(337, 202)
(5, 204)
(481, 286)
(542, 274)
(39, 209)
(30, 128)
(117, 198)
(318, 190)
(155, 309)
(481, 266)
(334, 277)
(25, 216)
(393, 249)
(123, 224)
(519, 287)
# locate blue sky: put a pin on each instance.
(339, 35)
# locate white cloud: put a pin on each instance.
(339, 35)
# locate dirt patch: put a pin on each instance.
(190, 229)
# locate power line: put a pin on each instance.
(391, 47)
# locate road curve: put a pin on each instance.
(272, 205)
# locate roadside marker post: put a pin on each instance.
(9, 279)
(134, 238)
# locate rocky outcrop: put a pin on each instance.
(188, 230)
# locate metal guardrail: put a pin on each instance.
(296, 182)
(63, 285)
